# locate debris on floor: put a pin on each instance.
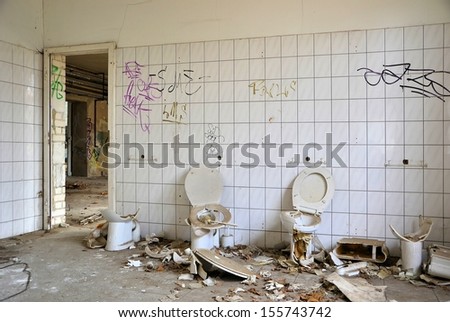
(358, 289)
(438, 263)
(362, 249)
(90, 219)
(266, 274)
(97, 237)
(211, 261)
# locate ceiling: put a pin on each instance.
(97, 63)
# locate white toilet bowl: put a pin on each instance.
(204, 189)
(312, 191)
(122, 232)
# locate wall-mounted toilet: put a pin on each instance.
(204, 189)
(122, 232)
(312, 191)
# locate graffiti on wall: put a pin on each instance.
(57, 86)
(141, 90)
(89, 128)
(175, 113)
(212, 138)
(272, 90)
(423, 81)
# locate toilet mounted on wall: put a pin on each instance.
(204, 189)
(312, 191)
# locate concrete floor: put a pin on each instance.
(57, 266)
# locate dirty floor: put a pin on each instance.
(57, 266)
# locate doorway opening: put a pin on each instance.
(77, 182)
(87, 137)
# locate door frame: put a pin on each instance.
(100, 48)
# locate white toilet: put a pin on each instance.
(204, 189)
(122, 232)
(312, 191)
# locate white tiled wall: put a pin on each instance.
(295, 88)
(20, 140)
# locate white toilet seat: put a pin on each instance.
(204, 189)
(195, 216)
(313, 190)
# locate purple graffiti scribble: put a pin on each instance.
(139, 91)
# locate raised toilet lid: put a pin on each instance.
(203, 186)
(313, 190)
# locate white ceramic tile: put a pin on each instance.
(413, 180)
(339, 43)
(394, 133)
(272, 219)
(339, 87)
(413, 37)
(432, 59)
(434, 156)
(376, 226)
(375, 40)
(433, 36)
(433, 132)
(433, 181)
(394, 39)
(305, 45)
(273, 69)
(340, 110)
(413, 203)
(394, 203)
(289, 67)
(358, 225)
(357, 88)
(289, 45)
(394, 179)
(415, 58)
(339, 65)
(376, 203)
(211, 50)
(257, 48)
(241, 68)
(322, 66)
(257, 70)
(357, 133)
(358, 156)
(7, 72)
(358, 179)
(322, 88)
(305, 89)
(355, 62)
(128, 55)
(322, 44)
(340, 132)
(340, 224)
(305, 66)
(376, 179)
(323, 111)
(394, 109)
(357, 41)
(226, 70)
(273, 239)
(413, 133)
(358, 202)
(433, 204)
(197, 50)
(376, 133)
(273, 46)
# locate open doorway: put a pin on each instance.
(87, 137)
(79, 94)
